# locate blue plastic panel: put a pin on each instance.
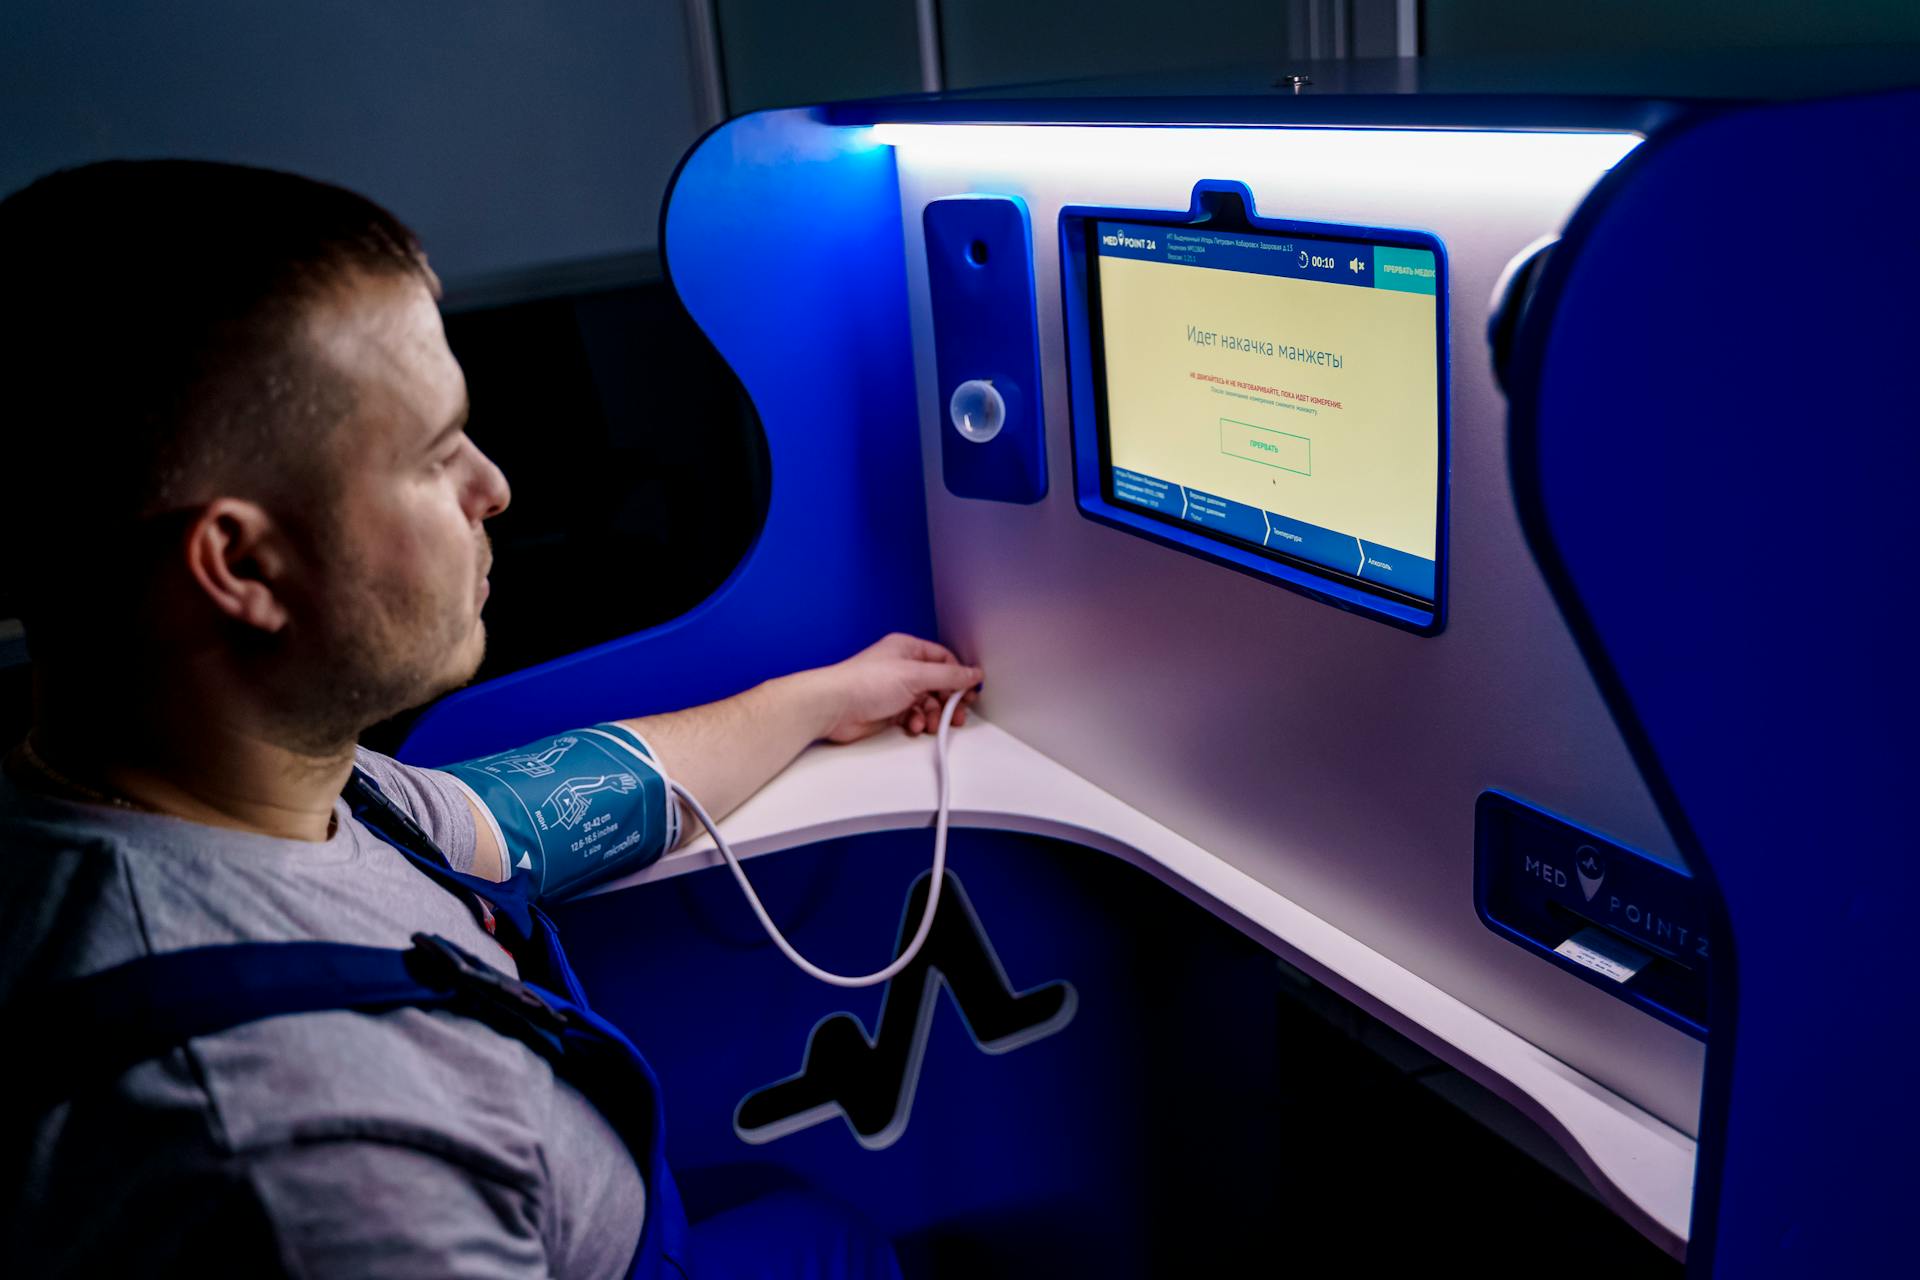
(1612, 916)
(1176, 525)
(980, 284)
(813, 321)
(1714, 453)
(1051, 1152)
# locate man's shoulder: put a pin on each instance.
(33, 825)
(81, 892)
(436, 801)
(65, 905)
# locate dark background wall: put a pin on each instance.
(517, 134)
(1648, 26)
(509, 133)
(777, 54)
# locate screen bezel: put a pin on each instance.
(1096, 320)
(1222, 206)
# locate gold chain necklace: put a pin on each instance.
(61, 782)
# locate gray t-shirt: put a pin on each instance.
(409, 1143)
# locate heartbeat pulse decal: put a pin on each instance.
(870, 1082)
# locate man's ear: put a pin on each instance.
(238, 557)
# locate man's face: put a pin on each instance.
(400, 558)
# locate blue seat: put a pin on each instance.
(1716, 449)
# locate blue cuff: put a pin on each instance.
(576, 809)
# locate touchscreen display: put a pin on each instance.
(1275, 391)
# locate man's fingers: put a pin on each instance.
(920, 650)
(934, 651)
(946, 677)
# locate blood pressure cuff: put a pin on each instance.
(574, 810)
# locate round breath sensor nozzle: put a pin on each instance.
(977, 410)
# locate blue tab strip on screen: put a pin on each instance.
(1369, 561)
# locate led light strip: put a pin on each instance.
(1411, 153)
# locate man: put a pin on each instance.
(243, 522)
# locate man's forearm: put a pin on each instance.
(725, 751)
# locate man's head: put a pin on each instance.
(231, 446)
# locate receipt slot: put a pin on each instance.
(1610, 915)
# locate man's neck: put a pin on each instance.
(218, 772)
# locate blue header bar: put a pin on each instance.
(1257, 253)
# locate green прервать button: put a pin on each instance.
(1280, 449)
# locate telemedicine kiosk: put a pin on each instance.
(1435, 553)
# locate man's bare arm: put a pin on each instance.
(725, 751)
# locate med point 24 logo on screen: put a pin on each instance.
(1120, 240)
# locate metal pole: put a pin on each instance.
(933, 71)
(703, 59)
(1407, 29)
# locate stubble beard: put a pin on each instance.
(380, 651)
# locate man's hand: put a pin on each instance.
(899, 680)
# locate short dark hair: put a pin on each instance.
(150, 338)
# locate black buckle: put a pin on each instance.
(439, 963)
